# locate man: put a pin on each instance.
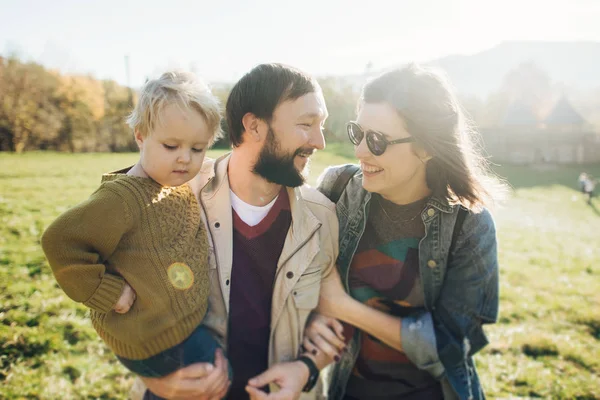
(273, 241)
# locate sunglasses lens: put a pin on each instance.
(355, 134)
(376, 144)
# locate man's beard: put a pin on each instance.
(279, 169)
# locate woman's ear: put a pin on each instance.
(426, 157)
(421, 153)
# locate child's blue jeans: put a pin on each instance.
(199, 347)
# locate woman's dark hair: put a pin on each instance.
(426, 102)
(260, 91)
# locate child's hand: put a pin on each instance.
(126, 300)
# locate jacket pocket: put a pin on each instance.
(306, 290)
(307, 296)
(306, 299)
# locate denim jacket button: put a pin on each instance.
(431, 264)
(430, 212)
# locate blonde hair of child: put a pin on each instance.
(175, 87)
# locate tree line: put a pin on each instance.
(42, 109)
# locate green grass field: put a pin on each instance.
(546, 344)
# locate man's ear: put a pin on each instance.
(251, 124)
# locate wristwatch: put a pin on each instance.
(313, 372)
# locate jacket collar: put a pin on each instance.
(440, 203)
(215, 196)
(214, 175)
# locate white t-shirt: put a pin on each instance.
(251, 215)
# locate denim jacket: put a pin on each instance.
(460, 289)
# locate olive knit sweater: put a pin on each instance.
(134, 230)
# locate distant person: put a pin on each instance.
(588, 187)
(582, 179)
(136, 251)
(418, 265)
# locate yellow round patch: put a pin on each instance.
(180, 275)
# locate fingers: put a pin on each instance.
(198, 370)
(265, 378)
(170, 386)
(283, 394)
(309, 346)
(207, 386)
(223, 392)
(328, 334)
(324, 346)
(325, 334)
(217, 380)
(320, 322)
(338, 328)
(181, 388)
(220, 360)
(256, 394)
(221, 382)
(200, 380)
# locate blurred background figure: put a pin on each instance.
(582, 178)
(589, 184)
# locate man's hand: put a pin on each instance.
(126, 300)
(201, 381)
(290, 377)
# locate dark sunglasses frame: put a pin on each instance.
(372, 137)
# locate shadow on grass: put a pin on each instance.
(594, 208)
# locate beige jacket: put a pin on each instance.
(309, 253)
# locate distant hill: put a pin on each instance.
(575, 64)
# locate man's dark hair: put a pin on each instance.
(260, 91)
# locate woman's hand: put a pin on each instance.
(333, 299)
(325, 335)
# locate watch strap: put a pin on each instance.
(313, 373)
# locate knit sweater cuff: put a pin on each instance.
(107, 294)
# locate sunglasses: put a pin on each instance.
(376, 141)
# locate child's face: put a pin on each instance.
(172, 154)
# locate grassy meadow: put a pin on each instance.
(545, 345)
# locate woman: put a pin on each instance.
(413, 297)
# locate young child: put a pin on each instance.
(136, 251)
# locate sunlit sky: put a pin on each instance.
(221, 40)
